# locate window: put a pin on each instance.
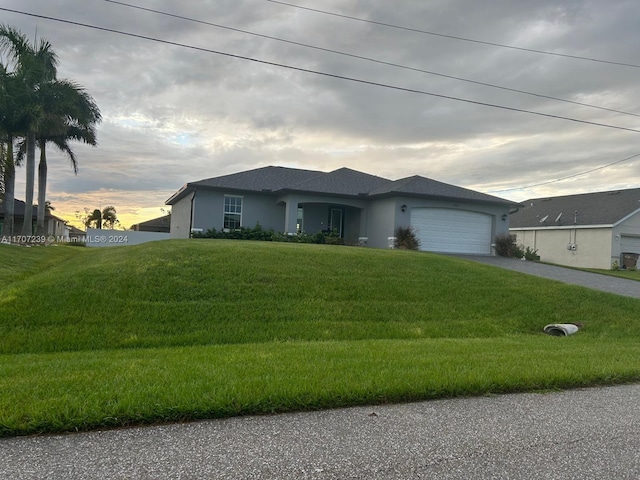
(299, 227)
(232, 212)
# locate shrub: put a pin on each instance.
(506, 246)
(260, 234)
(531, 254)
(406, 239)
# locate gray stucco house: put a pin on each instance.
(361, 208)
(590, 230)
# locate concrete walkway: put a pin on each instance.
(606, 283)
(578, 434)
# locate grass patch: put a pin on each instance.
(628, 274)
(181, 330)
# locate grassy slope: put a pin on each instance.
(195, 329)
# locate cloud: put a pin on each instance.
(173, 114)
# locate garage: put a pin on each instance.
(629, 244)
(629, 251)
(452, 231)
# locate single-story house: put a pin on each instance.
(361, 208)
(53, 225)
(76, 235)
(160, 224)
(591, 230)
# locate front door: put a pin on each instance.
(335, 221)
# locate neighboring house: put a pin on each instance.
(590, 230)
(160, 224)
(76, 235)
(53, 225)
(359, 207)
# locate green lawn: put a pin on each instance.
(181, 330)
(628, 274)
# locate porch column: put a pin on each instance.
(291, 215)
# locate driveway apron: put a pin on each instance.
(605, 283)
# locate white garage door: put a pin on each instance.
(452, 231)
(629, 244)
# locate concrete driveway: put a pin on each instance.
(606, 283)
(579, 434)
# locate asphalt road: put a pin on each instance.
(578, 434)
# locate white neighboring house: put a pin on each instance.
(591, 230)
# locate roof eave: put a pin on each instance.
(394, 193)
(626, 217)
(561, 227)
(184, 190)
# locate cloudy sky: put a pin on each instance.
(179, 113)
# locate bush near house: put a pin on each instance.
(270, 235)
(406, 239)
(506, 246)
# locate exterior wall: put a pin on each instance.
(181, 218)
(630, 227)
(117, 238)
(388, 215)
(208, 211)
(381, 221)
(593, 246)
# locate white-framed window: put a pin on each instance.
(232, 212)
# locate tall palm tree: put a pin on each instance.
(59, 111)
(14, 119)
(69, 114)
(35, 66)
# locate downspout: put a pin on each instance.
(193, 196)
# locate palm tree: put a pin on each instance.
(14, 119)
(69, 114)
(94, 218)
(109, 216)
(34, 66)
(59, 111)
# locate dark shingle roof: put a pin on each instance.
(344, 182)
(602, 208)
(19, 209)
(259, 179)
(159, 222)
(422, 186)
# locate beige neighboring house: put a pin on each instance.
(591, 230)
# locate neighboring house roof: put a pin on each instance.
(161, 224)
(587, 209)
(343, 182)
(76, 232)
(19, 209)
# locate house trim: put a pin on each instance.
(561, 227)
